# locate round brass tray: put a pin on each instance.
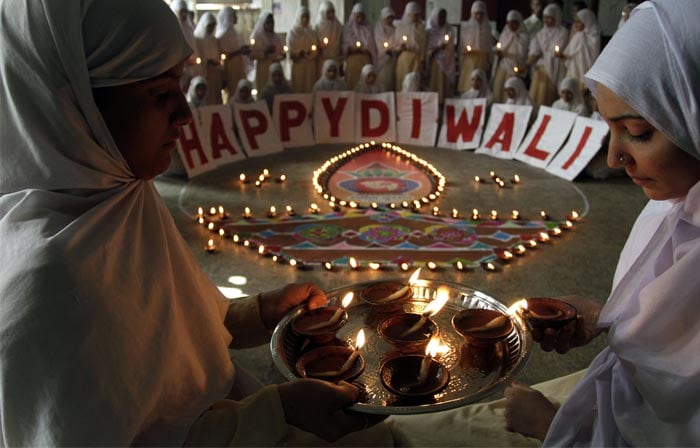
(468, 383)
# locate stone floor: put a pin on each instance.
(581, 262)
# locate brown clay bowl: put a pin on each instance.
(303, 323)
(468, 321)
(545, 312)
(392, 328)
(399, 376)
(327, 359)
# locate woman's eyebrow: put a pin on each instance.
(626, 117)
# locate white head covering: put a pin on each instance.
(186, 25)
(545, 41)
(331, 29)
(522, 97)
(207, 46)
(484, 91)
(553, 10)
(263, 39)
(383, 33)
(576, 105)
(192, 98)
(411, 82)
(225, 33)
(363, 87)
(300, 37)
(353, 32)
(326, 84)
(111, 333)
(514, 45)
(477, 34)
(435, 35)
(584, 46)
(415, 32)
(643, 388)
(243, 84)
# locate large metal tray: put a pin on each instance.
(467, 383)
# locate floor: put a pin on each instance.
(580, 262)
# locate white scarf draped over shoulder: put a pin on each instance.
(514, 44)
(225, 33)
(301, 38)
(644, 389)
(384, 34)
(111, 334)
(354, 32)
(331, 30)
(414, 32)
(545, 42)
(207, 46)
(584, 46)
(477, 33)
(435, 37)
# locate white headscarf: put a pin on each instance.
(186, 25)
(411, 82)
(192, 92)
(414, 32)
(111, 333)
(355, 32)
(243, 84)
(576, 105)
(643, 388)
(545, 42)
(363, 87)
(326, 84)
(477, 34)
(383, 33)
(331, 29)
(207, 46)
(435, 37)
(522, 97)
(514, 45)
(484, 91)
(301, 38)
(584, 46)
(263, 39)
(225, 33)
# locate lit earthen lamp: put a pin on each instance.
(389, 296)
(332, 362)
(321, 325)
(545, 312)
(411, 332)
(483, 330)
(416, 376)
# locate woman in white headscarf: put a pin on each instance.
(643, 389)
(208, 53)
(476, 45)
(265, 47)
(516, 93)
(233, 47)
(384, 42)
(329, 33)
(111, 333)
(303, 50)
(441, 55)
(570, 98)
(584, 47)
(545, 57)
(358, 45)
(243, 93)
(179, 7)
(197, 92)
(369, 82)
(515, 42)
(479, 87)
(276, 85)
(330, 80)
(410, 33)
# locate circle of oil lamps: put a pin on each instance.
(515, 179)
(519, 249)
(567, 225)
(544, 215)
(272, 212)
(459, 266)
(556, 231)
(431, 265)
(543, 237)
(573, 216)
(475, 215)
(489, 266)
(210, 247)
(313, 208)
(243, 178)
(328, 265)
(493, 215)
(282, 178)
(515, 215)
(290, 210)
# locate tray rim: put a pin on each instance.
(519, 324)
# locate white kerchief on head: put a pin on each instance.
(208, 18)
(478, 6)
(553, 10)
(192, 98)
(300, 37)
(120, 327)
(225, 32)
(522, 97)
(666, 92)
(514, 14)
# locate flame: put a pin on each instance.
(498, 45)
(252, 41)
(212, 211)
(435, 347)
(313, 47)
(353, 262)
(447, 37)
(200, 211)
(404, 38)
(414, 277)
(360, 340)
(441, 298)
(358, 44)
(242, 177)
(285, 48)
(374, 265)
(273, 209)
(469, 48)
(386, 44)
(325, 41)
(516, 307)
(346, 300)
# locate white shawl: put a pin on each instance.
(111, 334)
(225, 33)
(326, 84)
(363, 87)
(545, 41)
(584, 46)
(207, 46)
(354, 32)
(644, 389)
(330, 29)
(263, 39)
(186, 25)
(477, 34)
(301, 38)
(414, 32)
(384, 33)
(522, 96)
(576, 104)
(435, 37)
(514, 45)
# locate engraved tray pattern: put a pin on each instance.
(467, 384)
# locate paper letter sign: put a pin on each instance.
(255, 129)
(505, 130)
(375, 117)
(582, 146)
(291, 116)
(334, 115)
(417, 115)
(463, 123)
(546, 136)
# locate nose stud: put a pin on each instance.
(623, 159)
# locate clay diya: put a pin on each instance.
(482, 327)
(544, 312)
(389, 296)
(413, 376)
(326, 363)
(313, 324)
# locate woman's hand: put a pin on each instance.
(274, 305)
(318, 407)
(575, 334)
